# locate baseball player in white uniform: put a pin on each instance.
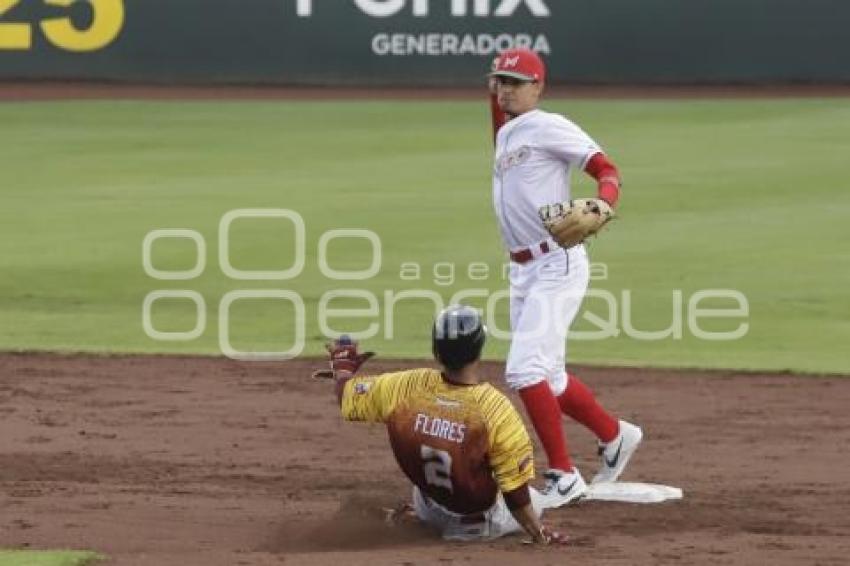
(536, 151)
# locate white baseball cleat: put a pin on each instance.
(562, 488)
(616, 454)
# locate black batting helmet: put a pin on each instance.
(458, 336)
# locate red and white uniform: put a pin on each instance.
(536, 153)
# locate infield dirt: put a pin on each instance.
(206, 461)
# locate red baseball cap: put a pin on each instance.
(523, 64)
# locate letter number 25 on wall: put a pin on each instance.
(107, 19)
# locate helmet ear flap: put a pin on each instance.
(434, 349)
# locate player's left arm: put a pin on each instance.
(512, 460)
(519, 504)
(510, 450)
(568, 142)
(571, 222)
(607, 177)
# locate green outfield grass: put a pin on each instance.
(47, 558)
(747, 195)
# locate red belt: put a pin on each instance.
(527, 254)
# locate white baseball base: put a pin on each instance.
(630, 492)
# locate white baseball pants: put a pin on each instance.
(497, 522)
(546, 294)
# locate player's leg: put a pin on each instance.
(579, 403)
(562, 280)
(423, 510)
(526, 368)
(618, 439)
(575, 399)
(538, 336)
(450, 525)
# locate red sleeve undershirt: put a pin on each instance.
(497, 116)
(608, 178)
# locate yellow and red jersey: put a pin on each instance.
(459, 444)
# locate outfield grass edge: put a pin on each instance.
(15, 557)
(406, 360)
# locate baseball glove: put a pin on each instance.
(572, 222)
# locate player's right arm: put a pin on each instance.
(497, 117)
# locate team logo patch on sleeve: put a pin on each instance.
(361, 388)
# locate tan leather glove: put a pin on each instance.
(572, 222)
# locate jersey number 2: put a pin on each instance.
(437, 465)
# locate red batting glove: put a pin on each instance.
(345, 359)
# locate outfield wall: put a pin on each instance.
(413, 42)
